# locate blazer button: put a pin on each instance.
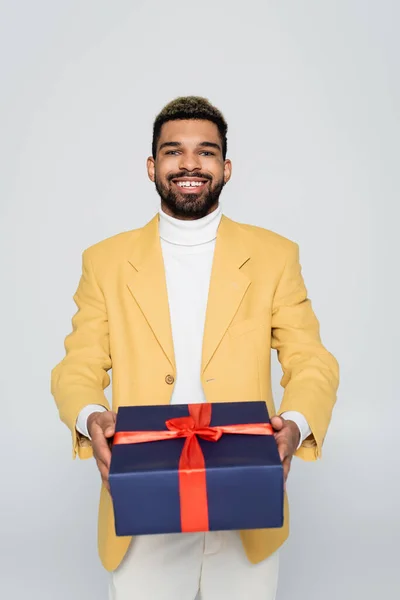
(169, 379)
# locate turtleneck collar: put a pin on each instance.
(189, 233)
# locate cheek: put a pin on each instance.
(218, 176)
(216, 169)
(160, 176)
(168, 167)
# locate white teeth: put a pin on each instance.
(190, 183)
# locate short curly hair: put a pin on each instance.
(190, 107)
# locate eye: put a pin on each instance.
(207, 153)
(172, 152)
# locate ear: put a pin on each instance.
(227, 170)
(151, 169)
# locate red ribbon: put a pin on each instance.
(192, 469)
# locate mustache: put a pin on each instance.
(188, 174)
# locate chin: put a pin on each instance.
(190, 207)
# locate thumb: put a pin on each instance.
(109, 425)
(277, 423)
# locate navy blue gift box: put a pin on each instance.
(243, 473)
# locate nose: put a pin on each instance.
(189, 162)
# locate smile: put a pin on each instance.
(190, 184)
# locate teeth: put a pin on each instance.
(190, 183)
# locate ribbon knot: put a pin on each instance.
(183, 425)
(192, 468)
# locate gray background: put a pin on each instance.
(311, 93)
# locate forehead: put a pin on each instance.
(189, 131)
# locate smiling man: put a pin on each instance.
(192, 192)
(187, 309)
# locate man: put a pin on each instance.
(183, 310)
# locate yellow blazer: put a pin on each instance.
(257, 300)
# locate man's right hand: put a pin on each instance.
(101, 427)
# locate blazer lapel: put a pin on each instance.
(228, 286)
(148, 286)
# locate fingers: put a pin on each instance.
(101, 449)
(105, 420)
(283, 447)
(286, 436)
(283, 442)
(281, 437)
(102, 428)
(108, 420)
(286, 467)
(277, 423)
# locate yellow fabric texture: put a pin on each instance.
(257, 301)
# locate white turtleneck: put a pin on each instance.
(188, 250)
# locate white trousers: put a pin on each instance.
(191, 566)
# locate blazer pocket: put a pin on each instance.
(244, 326)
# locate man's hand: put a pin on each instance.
(287, 436)
(101, 427)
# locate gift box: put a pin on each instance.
(199, 467)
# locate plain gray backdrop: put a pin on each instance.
(311, 94)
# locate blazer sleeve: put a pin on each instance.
(310, 373)
(81, 377)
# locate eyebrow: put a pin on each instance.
(202, 145)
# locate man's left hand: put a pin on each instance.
(287, 436)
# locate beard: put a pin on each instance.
(186, 205)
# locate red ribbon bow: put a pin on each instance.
(192, 469)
